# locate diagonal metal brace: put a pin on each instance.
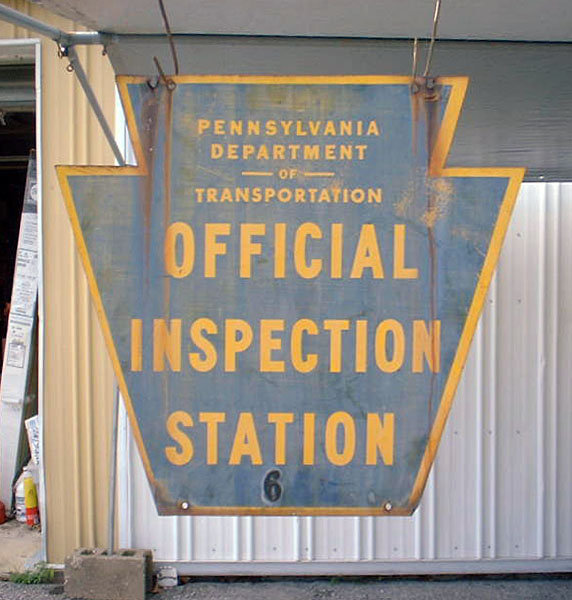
(66, 43)
(75, 64)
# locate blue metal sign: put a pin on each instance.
(288, 282)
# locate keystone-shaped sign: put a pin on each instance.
(288, 283)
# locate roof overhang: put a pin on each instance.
(525, 20)
(518, 110)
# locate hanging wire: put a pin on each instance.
(169, 36)
(166, 80)
(433, 36)
(415, 57)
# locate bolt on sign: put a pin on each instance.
(288, 283)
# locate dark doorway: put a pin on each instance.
(17, 139)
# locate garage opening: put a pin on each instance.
(19, 253)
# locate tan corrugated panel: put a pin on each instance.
(78, 381)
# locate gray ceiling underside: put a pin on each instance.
(540, 20)
(518, 110)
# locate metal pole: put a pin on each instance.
(90, 38)
(61, 37)
(66, 41)
(113, 474)
(433, 36)
(82, 77)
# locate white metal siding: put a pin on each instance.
(500, 494)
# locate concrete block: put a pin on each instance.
(91, 574)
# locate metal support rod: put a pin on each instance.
(415, 53)
(66, 41)
(113, 474)
(82, 78)
(90, 38)
(169, 36)
(433, 36)
(61, 37)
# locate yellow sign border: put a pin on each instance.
(437, 168)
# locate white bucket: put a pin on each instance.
(20, 498)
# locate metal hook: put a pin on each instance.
(169, 36)
(153, 82)
(433, 36)
(62, 50)
(171, 85)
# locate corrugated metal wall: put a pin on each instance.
(77, 379)
(500, 494)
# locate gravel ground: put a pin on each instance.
(522, 588)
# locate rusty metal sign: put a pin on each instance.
(288, 283)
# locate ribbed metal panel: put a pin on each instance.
(499, 494)
(77, 383)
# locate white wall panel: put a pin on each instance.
(500, 494)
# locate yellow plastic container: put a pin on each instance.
(31, 500)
